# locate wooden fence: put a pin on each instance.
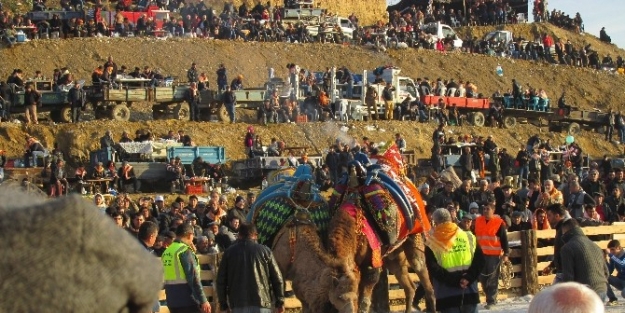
(531, 251)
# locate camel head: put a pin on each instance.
(343, 291)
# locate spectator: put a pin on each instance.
(455, 282)
(492, 238)
(183, 288)
(249, 276)
(222, 78)
(582, 260)
(557, 215)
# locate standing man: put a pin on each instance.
(492, 237)
(222, 78)
(192, 74)
(556, 215)
(32, 98)
(183, 287)
(610, 126)
(74, 96)
(371, 98)
(389, 105)
(249, 277)
(193, 98)
(400, 142)
(582, 260)
(230, 101)
(148, 232)
(454, 263)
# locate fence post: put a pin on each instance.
(529, 261)
(379, 298)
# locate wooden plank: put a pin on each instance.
(541, 265)
(544, 251)
(604, 230)
(546, 234)
(208, 258)
(207, 275)
(396, 294)
(546, 280)
(603, 244)
(116, 95)
(618, 236)
(514, 236)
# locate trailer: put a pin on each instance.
(53, 101)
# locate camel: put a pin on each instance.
(317, 277)
(321, 282)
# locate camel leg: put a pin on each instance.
(413, 247)
(398, 266)
(369, 277)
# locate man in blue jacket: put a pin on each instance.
(616, 261)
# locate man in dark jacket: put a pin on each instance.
(582, 260)
(32, 98)
(466, 163)
(557, 215)
(74, 96)
(230, 100)
(522, 159)
(249, 276)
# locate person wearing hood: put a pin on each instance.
(582, 260)
(454, 260)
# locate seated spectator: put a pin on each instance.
(127, 176)
(517, 222)
(33, 149)
(273, 149)
(58, 179)
(603, 36)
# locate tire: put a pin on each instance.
(477, 119)
(157, 114)
(120, 113)
(223, 114)
(65, 115)
(182, 112)
(509, 122)
(573, 129)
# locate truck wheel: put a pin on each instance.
(509, 122)
(573, 129)
(223, 114)
(478, 119)
(182, 112)
(65, 115)
(120, 113)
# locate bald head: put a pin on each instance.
(569, 297)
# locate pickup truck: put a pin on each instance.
(326, 26)
(438, 30)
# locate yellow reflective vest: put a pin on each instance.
(174, 272)
(460, 256)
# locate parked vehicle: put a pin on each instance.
(442, 31)
(53, 102)
(326, 27)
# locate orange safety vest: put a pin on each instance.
(486, 233)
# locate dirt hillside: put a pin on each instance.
(173, 56)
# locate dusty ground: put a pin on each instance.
(587, 88)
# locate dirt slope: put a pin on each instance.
(587, 88)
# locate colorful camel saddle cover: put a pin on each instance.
(276, 205)
(271, 215)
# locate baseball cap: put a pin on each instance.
(474, 205)
(468, 216)
(159, 198)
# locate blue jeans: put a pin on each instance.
(467, 308)
(618, 284)
(230, 109)
(523, 172)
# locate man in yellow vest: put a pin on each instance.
(454, 261)
(492, 237)
(183, 287)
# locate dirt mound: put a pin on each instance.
(78, 140)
